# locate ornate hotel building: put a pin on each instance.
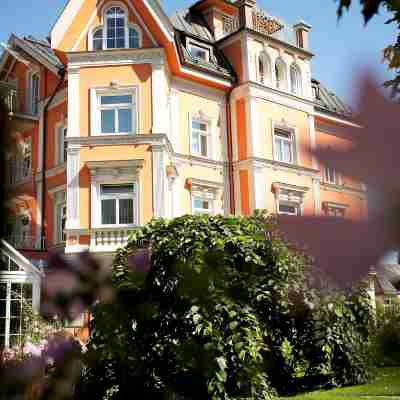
(124, 114)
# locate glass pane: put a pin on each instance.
(98, 44)
(14, 266)
(287, 152)
(3, 290)
(120, 32)
(108, 212)
(2, 326)
(3, 305)
(124, 99)
(195, 143)
(15, 310)
(204, 151)
(279, 150)
(15, 325)
(4, 260)
(15, 340)
(125, 121)
(126, 211)
(287, 209)
(110, 43)
(108, 121)
(133, 39)
(120, 43)
(110, 24)
(16, 291)
(201, 126)
(120, 22)
(27, 291)
(114, 189)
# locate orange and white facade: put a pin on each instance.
(126, 114)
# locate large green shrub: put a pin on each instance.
(224, 313)
(386, 337)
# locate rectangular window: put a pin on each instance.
(61, 212)
(13, 298)
(26, 160)
(34, 94)
(202, 205)
(117, 114)
(200, 138)
(118, 204)
(62, 144)
(289, 208)
(283, 144)
(199, 52)
(331, 175)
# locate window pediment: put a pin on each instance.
(118, 168)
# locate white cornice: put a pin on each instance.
(361, 193)
(190, 87)
(336, 119)
(111, 140)
(115, 57)
(198, 161)
(223, 82)
(278, 166)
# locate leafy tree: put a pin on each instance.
(391, 53)
(223, 313)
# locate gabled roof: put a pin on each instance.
(327, 101)
(39, 50)
(192, 24)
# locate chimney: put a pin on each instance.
(246, 8)
(302, 31)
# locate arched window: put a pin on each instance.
(264, 69)
(134, 38)
(295, 78)
(115, 20)
(280, 74)
(98, 39)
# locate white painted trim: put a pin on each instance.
(159, 97)
(198, 74)
(335, 119)
(86, 29)
(168, 31)
(73, 169)
(313, 141)
(14, 61)
(317, 196)
(143, 25)
(95, 116)
(73, 103)
(64, 21)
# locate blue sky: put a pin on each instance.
(340, 47)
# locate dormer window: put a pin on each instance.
(199, 51)
(280, 74)
(116, 33)
(295, 79)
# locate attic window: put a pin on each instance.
(199, 51)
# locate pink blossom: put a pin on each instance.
(32, 350)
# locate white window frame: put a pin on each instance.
(329, 173)
(202, 197)
(105, 25)
(291, 132)
(97, 198)
(91, 38)
(294, 204)
(280, 65)
(195, 44)
(61, 143)
(209, 124)
(60, 201)
(32, 100)
(96, 107)
(26, 155)
(296, 80)
(23, 277)
(265, 60)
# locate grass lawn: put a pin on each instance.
(386, 386)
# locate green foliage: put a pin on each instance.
(222, 314)
(391, 53)
(386, 337)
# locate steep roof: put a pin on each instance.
(192, 24)
(327, 101)
(43, 48)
